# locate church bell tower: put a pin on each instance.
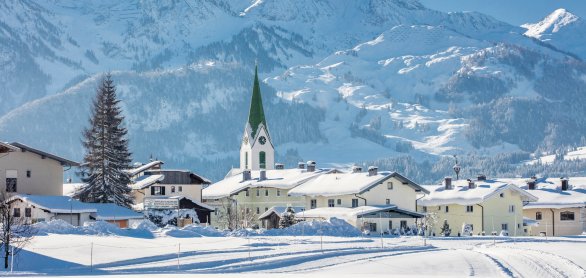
(257, 150)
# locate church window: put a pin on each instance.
(246, 160)
(262, 157)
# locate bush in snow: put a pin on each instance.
(287, 218)
(446, 231)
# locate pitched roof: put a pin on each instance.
(279, 211)
(142, 168)
(462, 195)
(114, 212)
(146, 181)
(55, 204)
(338, 183)
(70, 188)
(281, 179)
(549, 192)
(5, 147)
(256, 115)
(353, 213)
(62, 160)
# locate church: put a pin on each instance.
(259, 190)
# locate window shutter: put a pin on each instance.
(152, 190)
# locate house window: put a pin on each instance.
(502, 195)
(388, 201)
(313, 203)
(354, 203)
(180, 188)
(278, 193)
(390, 224)
(247, 193)
(424, 209)
(339, 202)
(331, 203)
(567, 216)
(172, 189)
(16, 212)
(28, 212)
(390, 185)
(28, 173)
(447, 209)
(469, 208)
(11, 177)
(257, 193)
(267, 192)
(257, 210)
(439, 207)
(262, 157)
(538, 215)
(511, 208)
(403, 224)
(372, 227)
(505, 227)
(157, 190)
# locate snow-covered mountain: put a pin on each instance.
(345, 81)
(561, 29)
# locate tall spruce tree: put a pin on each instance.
(106, 151)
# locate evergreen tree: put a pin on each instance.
(106, 151)
(446, 231)
(287, 219)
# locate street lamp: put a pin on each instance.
(457, 168)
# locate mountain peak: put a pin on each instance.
(552, 23)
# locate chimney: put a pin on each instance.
(301, 165)
(471, 184)
(565, 184)
(481, 177)
(372, 170)
(448, 182)
(356, 169)
(311, 166)
(531, 183)
(279, 166)
(263, 175)
(246, 176)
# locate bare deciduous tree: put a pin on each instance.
(16, 231)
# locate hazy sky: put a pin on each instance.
(515, 12)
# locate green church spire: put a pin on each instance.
(256, 116)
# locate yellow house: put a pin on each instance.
(487, 207)
(240, 199)
(561, 208)
(374, 201)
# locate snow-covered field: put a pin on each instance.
(184, 252)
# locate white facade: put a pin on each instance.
(252, 150)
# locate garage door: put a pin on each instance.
(72, 219)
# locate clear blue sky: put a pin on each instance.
(515, 12)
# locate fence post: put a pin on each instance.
(92, 257)
(12, 259)
(178, 252)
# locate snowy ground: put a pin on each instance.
(288, 256)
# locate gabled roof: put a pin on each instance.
(62, 160)
(460, 194)
(70, 188)
(145, 181)
(55, 204)
(142, 168)
(113, 212)
(353, 213)
(5, 147)
(338, 183)
(280, 179)
(549, 192)
(279, 211)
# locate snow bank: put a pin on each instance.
(100, 228)
(193, 230)
(331, 227)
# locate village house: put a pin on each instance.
(38, 208)
(26, 170)
(381, 202)
(561, 207)
(486, 206)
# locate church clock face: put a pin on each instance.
(245, 140)
(262, 140)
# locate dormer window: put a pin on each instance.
(538, 215)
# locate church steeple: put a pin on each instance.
(256, 115)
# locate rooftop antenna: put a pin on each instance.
(457, 168)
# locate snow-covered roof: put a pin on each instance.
(63, 161)
(70, 188)
(8, 147)
(146, 181)
(194, 201)
(338, 183)
(351, 213)
(280, 179)
(55, 204)
(549, 192)
(279, 211)
(462, 195)
(114, 212)
(142, 168)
